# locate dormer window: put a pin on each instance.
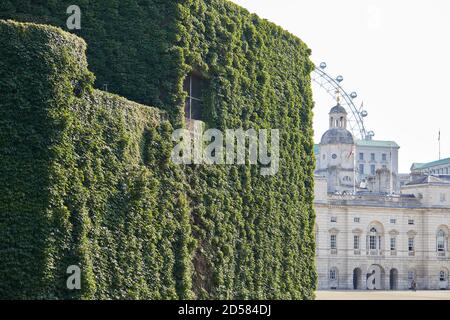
(193, 85)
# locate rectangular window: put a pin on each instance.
(333, 243)
(372, 242)
(361, 156)
(361, 169)
(356, 219)
(410, 275)
(193, 85)
(356, 242)
(372, 156)
(441, 245)
(441, 241)
(393, 244)
(393, 221)
(411, 244)
(384, 157)
(332, 274)
(333, 219)
(372, 169)
(443, 197)
(410, 221)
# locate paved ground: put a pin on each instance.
(382, 295)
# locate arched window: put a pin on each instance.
(333, 274)
(411, 275)
(440, 240)
(443, 275)
(373, 239)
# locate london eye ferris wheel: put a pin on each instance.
(333, 86)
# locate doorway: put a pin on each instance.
(357, 274)
(393, 279)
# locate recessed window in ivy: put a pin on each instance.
(194, 86)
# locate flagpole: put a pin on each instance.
(391, 184)
(354, 169)
(439, 139)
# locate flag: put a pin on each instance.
(352, 153)
(439, 139)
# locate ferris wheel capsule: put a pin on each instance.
(353, 95)
(323, 65)
(364, 113)
(340, 78)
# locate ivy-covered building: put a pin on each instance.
(86, 177)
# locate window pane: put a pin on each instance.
(393, 243)
(196, 110)
(411, 244)
(441, 241)
(333, 241)
(193, 85)
(197, 87)
(332, 274)
(356, 242)
(373, 242)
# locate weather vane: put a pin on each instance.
(338, 97)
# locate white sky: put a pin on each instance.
(394, 53)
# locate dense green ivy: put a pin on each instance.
(85, 180)
(140, 226)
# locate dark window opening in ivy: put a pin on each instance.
(194, 86)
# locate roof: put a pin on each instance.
(417, 165)
(377, 144)
(440, 179)
(338, 109)
(441, 162)
(337, 136)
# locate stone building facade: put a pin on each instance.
(380, 236)
(441, 166)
